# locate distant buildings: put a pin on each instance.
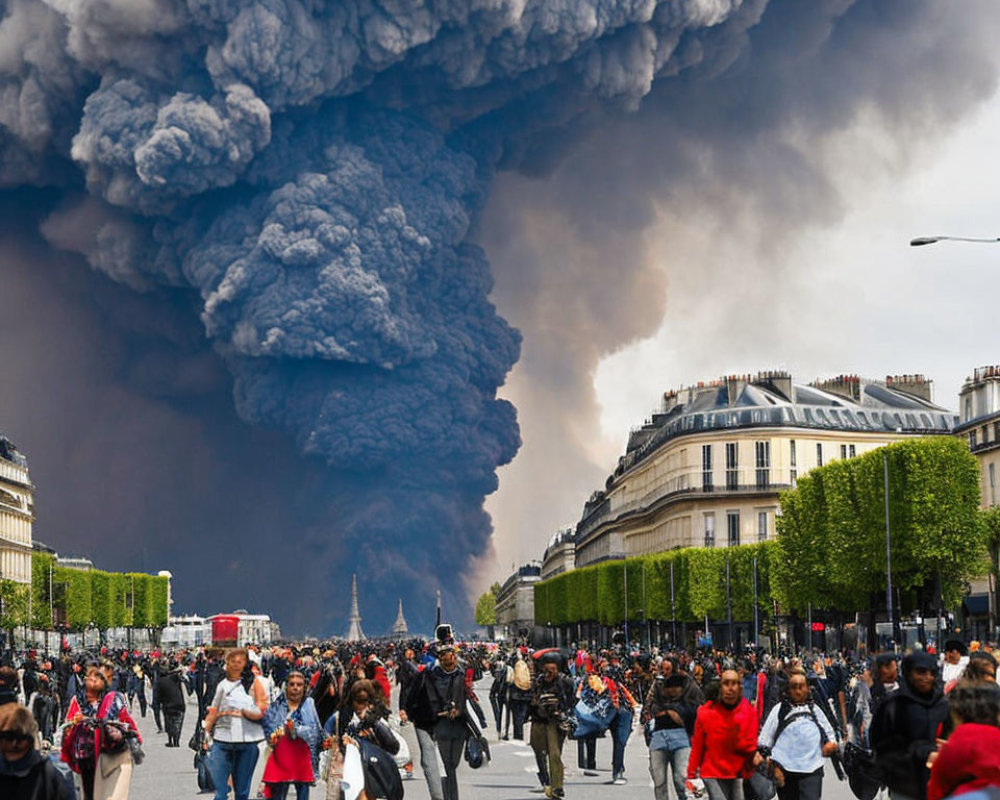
(979, 408)
(560, 554)
(515, 606)
(707, 468)
(17, 514)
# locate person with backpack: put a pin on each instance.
(519, 695)
(415, 707)
(794, 740)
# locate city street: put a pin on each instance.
(167, 773)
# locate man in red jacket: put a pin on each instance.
(724, 741)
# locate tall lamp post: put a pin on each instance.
(888, 546)
(920, 241)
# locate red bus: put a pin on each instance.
(225, 630)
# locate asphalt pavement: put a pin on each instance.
(168, 773)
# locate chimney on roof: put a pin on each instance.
(916, 385)
(777, 381)
(735, 384)
(846, 386)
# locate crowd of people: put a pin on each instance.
(715, 724)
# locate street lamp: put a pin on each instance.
(922, 240)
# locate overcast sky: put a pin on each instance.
(849, 296)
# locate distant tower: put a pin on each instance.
(354, 632)
(399, 626)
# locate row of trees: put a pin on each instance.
(697, 575)
(830, 552)
(59, 597)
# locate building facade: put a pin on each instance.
(560, 554)
(979, 413)
(979, 425)
(17, 514)
(515, 606)
(707, 469)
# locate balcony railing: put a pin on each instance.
(748, 481)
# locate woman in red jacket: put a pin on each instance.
(724, 742)
(970, 759)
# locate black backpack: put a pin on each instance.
(418, 701)
(382, 777)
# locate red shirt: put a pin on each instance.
(724, 741)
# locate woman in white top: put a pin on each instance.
(233, 719)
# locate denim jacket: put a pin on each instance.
(306, 721)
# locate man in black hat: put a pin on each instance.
(956, 656)
(905, 728)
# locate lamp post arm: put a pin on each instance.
(922, 240)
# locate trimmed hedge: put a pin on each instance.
(597, 593)
(98, 598)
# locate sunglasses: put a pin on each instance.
(11, 736)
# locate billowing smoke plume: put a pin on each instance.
(310, 177)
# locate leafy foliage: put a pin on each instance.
(597, 593)
(83, 598)
(831, 549)
(13, 604)
(486, 606)
(41, 608)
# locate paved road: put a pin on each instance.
(167, 773)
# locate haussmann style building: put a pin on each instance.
(17, 514)
(707, 468)
(979, 412)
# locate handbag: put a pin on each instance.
(135, 747)
(114, 737)
(759, 786)
(382, 777)
(475, 752)
(205, 782)
(402, 757)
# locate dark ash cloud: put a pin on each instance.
(283, 201)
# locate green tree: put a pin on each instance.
(42, 565)
(101, 600)
(13, 606)
(73, 597)
(159, 611)
(831, 549)
(486, 609)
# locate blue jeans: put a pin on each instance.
(665, 765)
(279, 791)
(233, 758)
(621, 729)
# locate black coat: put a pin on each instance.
(904, 731)
(168, 688)
(551, 700)
(36, 779)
